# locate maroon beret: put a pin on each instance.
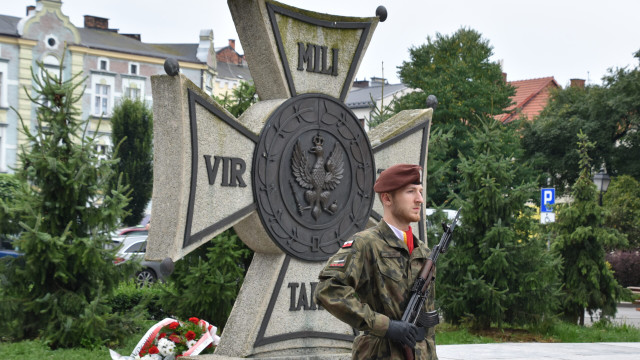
(396, 177)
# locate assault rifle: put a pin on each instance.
(420, 291)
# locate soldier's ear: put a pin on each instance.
(385, 198)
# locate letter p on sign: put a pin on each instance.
(548, 200)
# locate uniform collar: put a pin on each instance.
(392, 240)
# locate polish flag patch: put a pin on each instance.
(337, 263)
(347, 244)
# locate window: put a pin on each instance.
(4, 81)
(103, 64)
(101, 97)
(132, 93)
(2, 152)
(137, 247)
(133, 69)
(51, 42)
(132, 87)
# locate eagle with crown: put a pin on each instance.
(319, 179)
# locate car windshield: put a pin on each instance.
(140, 246)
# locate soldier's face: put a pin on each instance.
(405, 204)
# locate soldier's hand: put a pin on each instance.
(402, 332)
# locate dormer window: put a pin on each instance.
(103, 64)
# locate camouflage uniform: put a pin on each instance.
(367, 283)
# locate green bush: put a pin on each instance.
(206, 282)
(9, 186)
(130, 297)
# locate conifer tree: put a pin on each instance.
(497, 270)
(57, 289)
(132, 130)
(581, 239)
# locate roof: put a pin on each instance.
(9, 25)
(233, 71)
(530, 99)
(110, 40)
(361, 97)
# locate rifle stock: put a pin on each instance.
(420, 290)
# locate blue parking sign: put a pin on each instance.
(547, 200)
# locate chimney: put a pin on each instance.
(504, 76)
(577, 83)
(361, 84)
(232, 43)
(378, 81)
(133, 36)
(30, 9)
(95, 22)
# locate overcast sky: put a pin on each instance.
(561, 38)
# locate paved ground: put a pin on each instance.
(541, 351)
(627, 314)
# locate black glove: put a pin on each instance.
(402, 332)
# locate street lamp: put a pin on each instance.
(602, 180)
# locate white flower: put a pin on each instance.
(166, 347)
(191, 343)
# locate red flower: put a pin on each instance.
(154, 350)
(190, 335)
(162, 335)
(175, 338)
(174, 325)
(194, 320)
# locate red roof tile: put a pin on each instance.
(531, 97)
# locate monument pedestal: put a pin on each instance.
(275, 315)
(345, 356)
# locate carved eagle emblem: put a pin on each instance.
(319, 179)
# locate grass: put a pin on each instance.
(36, 349)
(446, 334)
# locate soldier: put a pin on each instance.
(367, 282)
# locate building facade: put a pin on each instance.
(366, 96)
(114, 65)
(231, 69)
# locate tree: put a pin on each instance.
(9, 187)
(622, 200)
(581, 240)
(458, 71)
(57, 289)
(239, 100)
(498, 269)
(132, 132)
(608, 114)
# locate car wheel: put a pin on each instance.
(146, 277)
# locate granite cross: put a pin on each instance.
(293, 175)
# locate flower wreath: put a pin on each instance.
(170, 339)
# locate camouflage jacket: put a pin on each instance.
(367, 283)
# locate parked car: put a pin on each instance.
(133, 248)
(135, 230)
(6, 247)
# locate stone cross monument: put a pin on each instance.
(293, 175)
